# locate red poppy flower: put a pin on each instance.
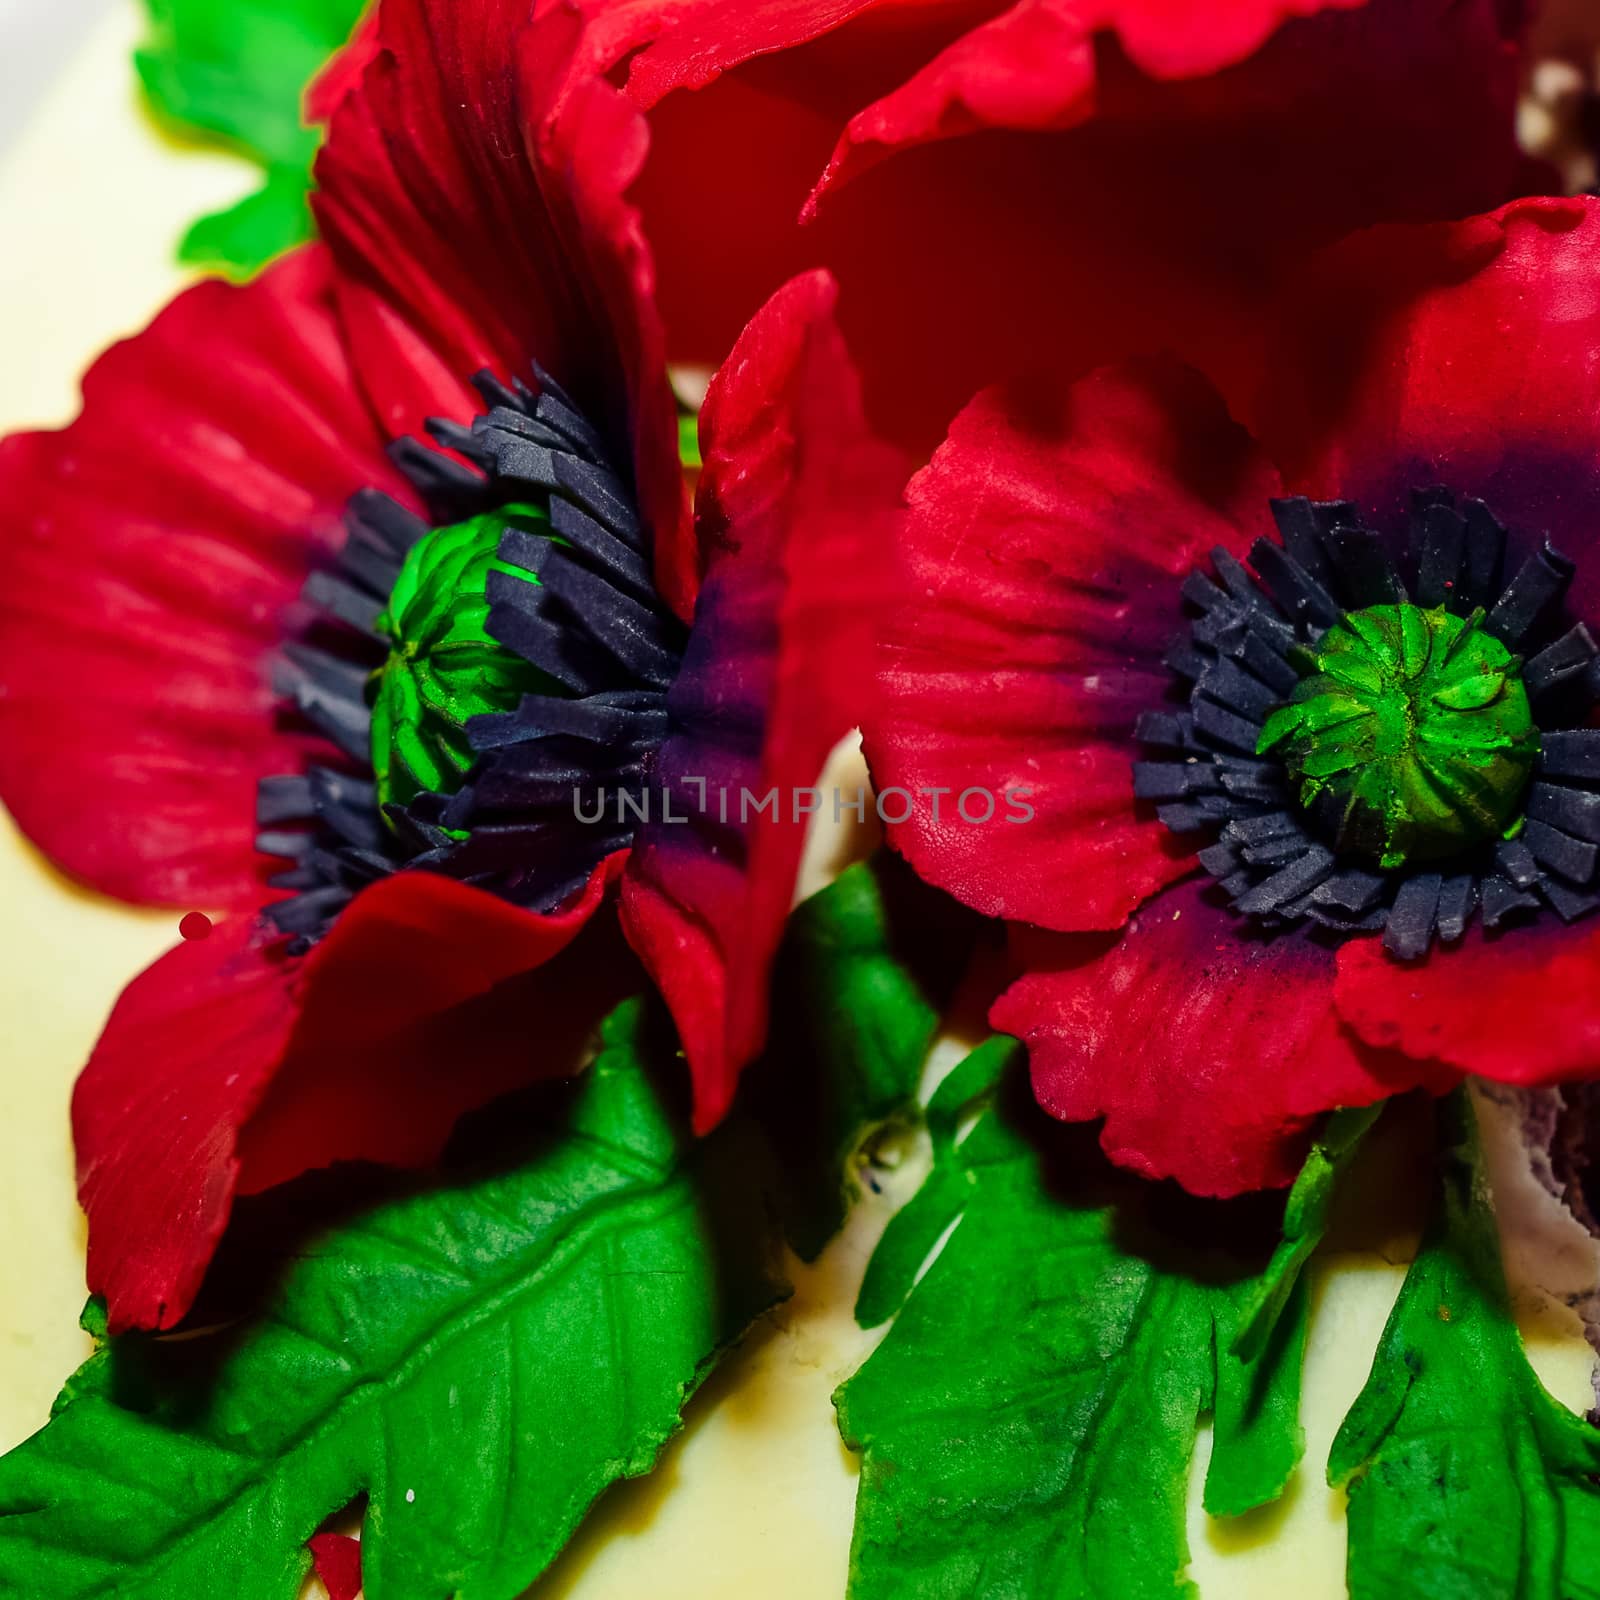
(256, 658)
(986, 179)
(1303, 717)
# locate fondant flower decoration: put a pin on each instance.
(989, 181)
(1306, 714)
(252, 660)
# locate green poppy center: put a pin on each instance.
(1409, 735)
(443, 666)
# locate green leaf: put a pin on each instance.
(918, 1226)
(262, 225)
(865, 971)
(1305, 1219)
(1026, 1426)
(479, 1360)
(232, 73)
(1256, 1437)
(1467, 1481)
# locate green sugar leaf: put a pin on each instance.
(1256, 1437)
(1466, 1479)
(865, 971)
(248, 235)
(1256, 1440)
(480, 1360)
(232, 73)
(1305, 1219)
(1026, 1427)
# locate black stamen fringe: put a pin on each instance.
(1234, 659)
(592, 622)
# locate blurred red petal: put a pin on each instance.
(342, 72)
(1128, 176)
(1034, 67)
(152, 548)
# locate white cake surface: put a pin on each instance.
(756, 1496)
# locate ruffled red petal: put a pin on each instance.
(228, 1066)
(187, 1054)
(151, 549)
(799, 507)
(1046, 545)
(478, 222)
(1208, 1054)
(1157, 211)
(1466, 355)
(1521, 1005)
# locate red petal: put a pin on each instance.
(591, 151)
(1465, 354)
(1522, 1005)
(1208, 1054)
(368, 1049)
(187, 1054)
(799, 508)
(688, 44)
(338, 1563)
(764, 131)
(479, 224)
(342, 72)
(1046, 545)
(429, 998)
(432, 208)
(151, 548)
(1033, 66)
(1160, 216)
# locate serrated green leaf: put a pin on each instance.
(233, 73)
(865, 970)
(1467, 1481)
(1027, 1424)
(480, 1361)
(1305, 1220)
(917, 1226)
(1256, 1437)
